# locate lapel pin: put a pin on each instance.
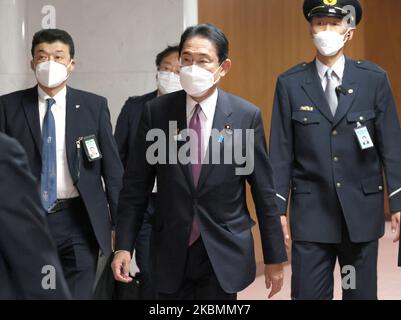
(228, 129)
(351, 91)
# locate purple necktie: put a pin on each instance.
(196, 145)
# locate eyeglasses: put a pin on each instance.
(189, 61)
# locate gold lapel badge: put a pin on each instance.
(306, 108)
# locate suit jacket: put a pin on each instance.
(25, 243)
(128, 123)
(86, 114)
(319, 158)
(218, 203)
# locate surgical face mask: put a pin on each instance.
(168, 82)
(51, 74)
(329, 43)
(196, 81)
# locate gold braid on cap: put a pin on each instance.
(345, 12)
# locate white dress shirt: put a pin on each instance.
(65, 185)
(338, 69)
(208, 107)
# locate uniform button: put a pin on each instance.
(380, 188)
(336, 159)
(305, 119)
(295, 188)
(338, 184)
(361, 118)
(335, 132)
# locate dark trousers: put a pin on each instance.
(142, 245)
(313, 266)
(77, 248)
(200, 281)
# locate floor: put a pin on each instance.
(389, 276)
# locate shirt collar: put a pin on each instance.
(59, 97)
(338, 68)
(208, 105)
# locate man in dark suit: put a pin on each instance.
(25, 260)
(68, 139)
(201, 244)
(168, 68)
(334, 130)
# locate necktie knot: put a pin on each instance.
(330, 74)
(50, 103)
(198, 109)
(195, 119)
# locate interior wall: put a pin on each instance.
(116, 42)
(383, 39)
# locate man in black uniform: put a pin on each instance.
(334, 131)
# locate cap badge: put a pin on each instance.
(330, 2)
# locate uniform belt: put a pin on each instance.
(62, 204)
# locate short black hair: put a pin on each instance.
(210, 32)
(52, 36)
(165, 53)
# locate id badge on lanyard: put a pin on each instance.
(91, 148)
(363, 136)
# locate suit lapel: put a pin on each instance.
(136, 116)
(221, 119)
(345, 100)
(314, 90)
(73, 118)
(179, 114)
(30, 103)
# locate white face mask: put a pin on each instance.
(168, 82)
(329, 43)
(196, 81)
(51, 74)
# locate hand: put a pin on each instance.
(286, 233)
(274, 277)
(395, 226)
(120, 266)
